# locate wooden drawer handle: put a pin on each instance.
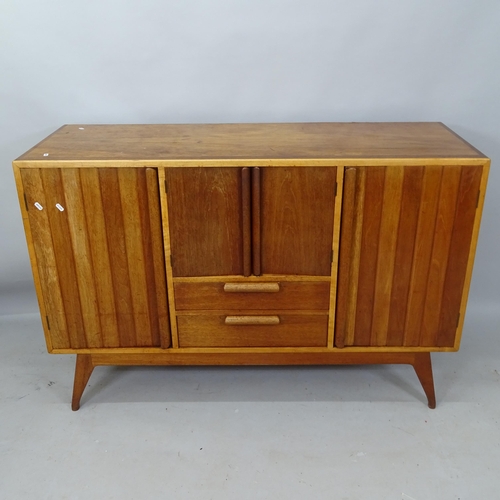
(252, 320)
(252, 287)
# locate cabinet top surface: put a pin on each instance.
(271, 141)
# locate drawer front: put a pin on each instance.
(287, 330)
(285, 295)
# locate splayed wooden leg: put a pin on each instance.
(423, 369)
(83, 370)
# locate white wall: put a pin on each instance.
(153, 61)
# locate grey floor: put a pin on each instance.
(249, 433)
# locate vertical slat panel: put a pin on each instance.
(297, 212)
(410, 203)
(346, 258)
(75, 212)
(115, 232)
(440, 252)
(360, 190)
(459, 253)
(99, 250)
(63, 250)
(256, 222)
(391, 210)
(45, 257)
(422, 254)
(369, 254)
(247, 221)
(130, 203)
(158, 262)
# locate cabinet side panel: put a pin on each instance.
(205, 221)
(297, 212)
(45, 258)
(460, 246)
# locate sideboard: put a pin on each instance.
(252, 244)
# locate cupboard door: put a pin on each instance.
(405, 241)
(297, 210)
(205, 213)
(99, 249)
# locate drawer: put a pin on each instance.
(285, 295)
(282, 330)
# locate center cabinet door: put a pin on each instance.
(234, 221)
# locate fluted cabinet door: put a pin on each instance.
(405, 242)
(99, 252)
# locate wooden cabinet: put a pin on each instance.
(252, 244)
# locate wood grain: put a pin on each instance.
(99, 288)
(297, 214)
(45, 258)
(460, 247)
(372, 212)
(65, 259)
(153, 251)
(398, 277)
(291, 295)
(84, 269)
(204, 207)
(252, 320)
(424, 240)
(410, 202)
(391, 211)
(99, 249)
(246, 214)
(293, 330)
(199, 143)
(256, 222)
(346, 257)
(267, 287)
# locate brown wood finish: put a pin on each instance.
(204, 207)
(256, 222)
(252, 320)
(246, 220)
(106, 283)
(249, 275)
(421, 362)
(155, 262)
(83, 370)
(297, 220)
(405, 261)
(293, 330)
(251, 287)
(201, 143)
(291, 295)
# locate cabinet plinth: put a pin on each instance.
(300, 244)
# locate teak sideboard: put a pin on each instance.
(252, 244)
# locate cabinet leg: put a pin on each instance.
(423, 369)
(83, 370)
